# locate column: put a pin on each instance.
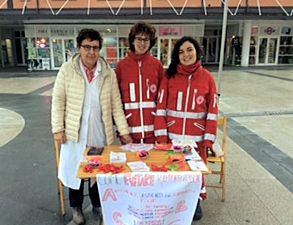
(246, 43)
(1, 53)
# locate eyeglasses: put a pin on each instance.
(140, 39)
(89, 47)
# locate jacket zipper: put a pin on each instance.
(140, 98)
(186, 104)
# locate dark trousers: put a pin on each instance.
(76, 196)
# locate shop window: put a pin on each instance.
(286, 50)
(38, 52)
(252, 50)
(109, 50)
(286, 30)
(286, 41)
(154, 50)
(123, 47)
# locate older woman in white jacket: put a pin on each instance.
(85, 101)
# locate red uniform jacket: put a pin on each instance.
(139, 80)
(187, 108)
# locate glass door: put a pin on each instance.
(62, 50)
(267, 51)
(272, 51)
(57, 53)
(165, 50)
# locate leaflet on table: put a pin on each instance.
(195, 162)
(193, 156)
(197, 166)
(137, 147)
(138, 166)
(118, 157)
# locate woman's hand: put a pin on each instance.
(125, 139)
(60, 137)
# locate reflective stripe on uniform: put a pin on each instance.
(161, 112)
(210, 137)
(174, 136)
(132, 92)
(179, 100)
(161, 132)
(136, 105)
(212, 116)
(187, 115)
(161, 94)
(140, 129)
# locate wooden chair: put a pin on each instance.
(59, 183)
(220, 169)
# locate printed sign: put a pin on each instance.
(170, 31)
(149, 198)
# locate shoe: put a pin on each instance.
(198, 212)
(78, 217)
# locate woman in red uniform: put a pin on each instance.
(139, 76)
(188, 103)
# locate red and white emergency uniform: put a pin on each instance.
(187, 109)
(139, 79)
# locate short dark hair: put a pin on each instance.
(90, 34)
(172, 69)
(145, 28)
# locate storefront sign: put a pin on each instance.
(62, 32)
(149, 198)
(42, 32)
(170, 31)
(270, 30)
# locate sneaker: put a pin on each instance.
(78, 217)
(198, 212)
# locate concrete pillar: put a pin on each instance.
(246, 44)
(1, 53)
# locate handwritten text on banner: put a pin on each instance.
(148, 198)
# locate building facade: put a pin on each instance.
(41, 33)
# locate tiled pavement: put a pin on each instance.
(258, 102)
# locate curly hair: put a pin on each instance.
(145, 28)
(90, 34)
(172, 69)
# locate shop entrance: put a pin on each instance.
(62, 50)
(211, 49)
(267, 51)
(21, 50)
(165, 50)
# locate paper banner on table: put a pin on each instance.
(141, 198)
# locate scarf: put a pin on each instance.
(90, 73)
(187, 70)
